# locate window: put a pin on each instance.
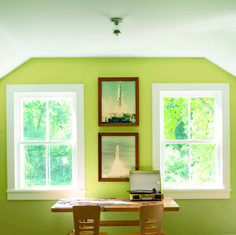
(45, 141)
(191, 139)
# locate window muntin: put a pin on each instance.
(45, 140)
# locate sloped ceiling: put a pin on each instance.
(151, 28)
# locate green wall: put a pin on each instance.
(195, 216)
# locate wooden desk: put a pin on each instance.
(113, 205)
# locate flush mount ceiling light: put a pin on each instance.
(116, 21)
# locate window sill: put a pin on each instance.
(44, 194)
(197, 193)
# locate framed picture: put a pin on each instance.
(118, 101)
(117, 155)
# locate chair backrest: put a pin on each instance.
(150, 219)
(86, 219)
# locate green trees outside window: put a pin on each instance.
(189, 141)
(47, 142)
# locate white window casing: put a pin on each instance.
(221, 92)
(16, 191)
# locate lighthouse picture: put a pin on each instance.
(118, 154)
(118, 104)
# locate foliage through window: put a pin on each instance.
(47, 163)
(45, 144)
(189, 143)
(191, 136)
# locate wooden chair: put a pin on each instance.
(150, 218)
(86, 220)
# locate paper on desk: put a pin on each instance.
(71, 203)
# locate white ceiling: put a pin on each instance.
(151, 28)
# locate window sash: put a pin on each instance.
(19, 97)
(216, 184)
(21, 169)
(187, 94)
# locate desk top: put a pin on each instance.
(112, 204)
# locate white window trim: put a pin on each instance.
(216, 193)
(39, 193)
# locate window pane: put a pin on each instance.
(34, 119)
(176, 164)
(202, 118)
(60, 119)
(34, 165)
(61, 164)
(203, 164)
(175, 118)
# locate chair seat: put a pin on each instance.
(162, 233)
(73, 233)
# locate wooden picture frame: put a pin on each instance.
(118, 153)
(118, 101)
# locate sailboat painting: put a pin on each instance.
(118, 154)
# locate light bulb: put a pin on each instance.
(116, 32)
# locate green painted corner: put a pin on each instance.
(195, 216)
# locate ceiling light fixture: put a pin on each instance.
(116, 21)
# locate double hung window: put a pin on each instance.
(45, 140)
(191, 139)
